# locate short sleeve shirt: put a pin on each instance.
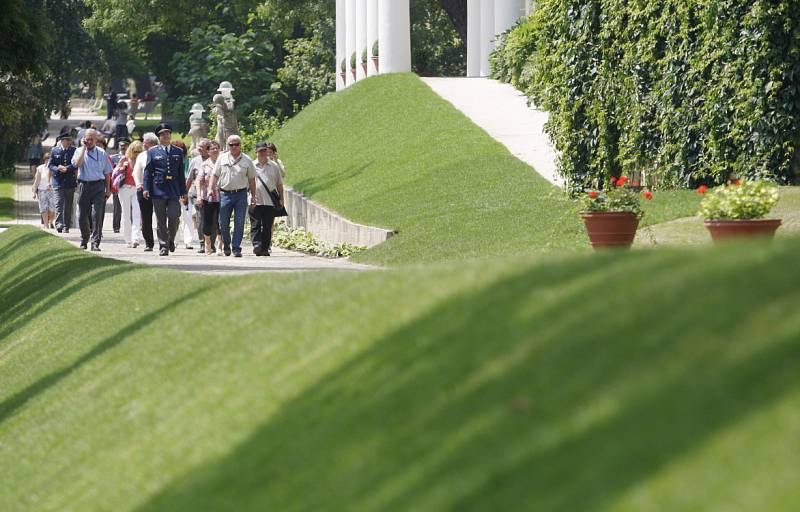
(234, 174)
(267, 174)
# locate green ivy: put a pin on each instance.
(686, 91)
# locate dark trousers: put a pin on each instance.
(211, 221)
(168, 216)
(146, 207)
(64, 198)
(261, 220)
(198, 212)
(91, 206)
(117, 213)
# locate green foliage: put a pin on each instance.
(617, 197)
(215, 55)
(512, 57)
(685, 91)
(739, 201)
(375, 49)
(301, 240)
(261, 127)
(436, 48)
(307, 72)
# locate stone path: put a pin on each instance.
(503, 112)
(113, 245)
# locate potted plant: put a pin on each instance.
(364, 61)
(738, 209)
(343, 72)
(612, 215)
(375, 55)
(353, 64)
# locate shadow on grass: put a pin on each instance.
(9, 406)
(311, 186)
(522, 395)
(43, 280)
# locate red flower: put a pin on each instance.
(622, 180)
(648, 195)
(635, 183)
(592, 194)
(738, 182)
(613, 180)
(702, 189)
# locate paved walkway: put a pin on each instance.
(113, 245)
(503, 112)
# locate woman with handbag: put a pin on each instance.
(269, 200)
(122, 180)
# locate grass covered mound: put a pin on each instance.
(390, 152)
(648, 380)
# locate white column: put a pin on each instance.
(394, 33)
(487, 35)
(361, 37)
(372, 34)
(341, 43)
(506, 13)
(350, 44)
(473, 37)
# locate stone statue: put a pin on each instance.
(198, 127)
(226, 120)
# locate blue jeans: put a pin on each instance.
(237, 202)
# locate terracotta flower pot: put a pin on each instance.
(364, 65)
(608, 230)
(354, 73)
(343, 75)
(375, 60)
(726, 229)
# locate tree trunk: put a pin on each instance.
(457, 10)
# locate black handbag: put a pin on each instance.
(280, 211)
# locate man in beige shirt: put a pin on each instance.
(235, 174)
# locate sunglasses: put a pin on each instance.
(233, 144)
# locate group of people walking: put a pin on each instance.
(153, 177)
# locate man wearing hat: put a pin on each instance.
(63, 180)
(122, 144)
(165, 185)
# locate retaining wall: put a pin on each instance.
(329, 226)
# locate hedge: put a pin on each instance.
(686, 91)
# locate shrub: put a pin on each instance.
(687, 92)
(739, 201)
(617, 197)
(261, 127)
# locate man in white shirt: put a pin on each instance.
(145, 204)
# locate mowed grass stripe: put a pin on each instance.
(609, 382)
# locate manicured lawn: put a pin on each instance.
(691, 231)
(635, 381)
(390, 152)
(6, 198)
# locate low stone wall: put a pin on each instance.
(328, 226)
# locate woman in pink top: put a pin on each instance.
(123, 176)
(209, 199)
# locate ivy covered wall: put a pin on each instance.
(688, 91)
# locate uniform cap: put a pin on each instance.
(163, 127)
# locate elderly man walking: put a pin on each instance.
(235, 173)
(63, 180)
(165, 184)
(94, 188)
(149, 140)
